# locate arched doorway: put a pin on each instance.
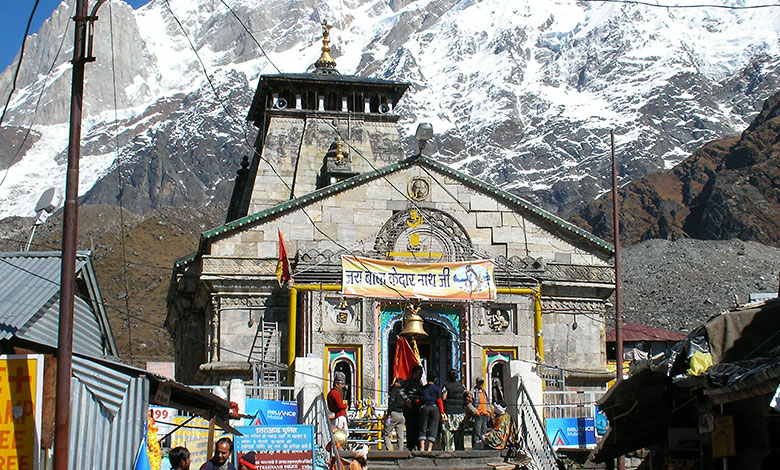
(345, 367)
(346, 359)
(497, 371)
(440, 351)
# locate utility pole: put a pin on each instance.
(69, 231)
(618, 287)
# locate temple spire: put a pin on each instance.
(325, 64)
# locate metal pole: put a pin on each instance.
(618, 291)
(69, 231)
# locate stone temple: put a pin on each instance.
(331, 175)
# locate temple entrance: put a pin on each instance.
(435, 349)
(440, 351)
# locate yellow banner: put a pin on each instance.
(21, 390)
(194, 429)
(466, 280)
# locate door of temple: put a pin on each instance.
(440, 351)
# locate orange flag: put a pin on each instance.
(405, 359)
(283, 273)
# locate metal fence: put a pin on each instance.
(554, 379)
(266, 392)
(570, 404)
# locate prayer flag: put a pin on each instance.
(283, 273)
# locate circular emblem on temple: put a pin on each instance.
(418, 189)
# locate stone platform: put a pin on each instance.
(458, 460)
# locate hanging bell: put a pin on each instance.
(413, 326)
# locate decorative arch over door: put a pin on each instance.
(423, 235)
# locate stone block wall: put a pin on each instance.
(372, 145)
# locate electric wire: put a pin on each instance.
(281, 366)
(121, 185)
(316, 117)
(38, 101)
(230, 114)
(19, 62)
(246, 137)
(463, 245)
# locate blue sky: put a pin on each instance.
(15, 13)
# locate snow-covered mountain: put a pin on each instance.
(522, 94)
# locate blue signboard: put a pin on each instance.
(571, 432)
(277, 447)
(270, 412)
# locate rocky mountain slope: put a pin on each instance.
(521, 94)
(678, 285)
(152, 242)
(729, 189)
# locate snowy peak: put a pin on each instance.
(520, 94)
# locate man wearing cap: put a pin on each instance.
(482, 404)
(336, 404)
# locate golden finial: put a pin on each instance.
(339, 154)
(325, 61)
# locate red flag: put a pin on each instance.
(283, 273)
(405, 359)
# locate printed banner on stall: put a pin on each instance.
(270, 412)
(189, 429)
(571, 432)
(163, 417)
(21, 394)
(277, 447)
(466, 280)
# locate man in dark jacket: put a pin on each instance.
(413, 389)
(223, 450)
(454, 412)
(396, 406)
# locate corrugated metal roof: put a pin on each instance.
(29, 302)
(108, 386)
(30, 280)
(43, 328)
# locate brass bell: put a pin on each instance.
(413, 326)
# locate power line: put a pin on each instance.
(121, 185)
(277, 365)
(167, 269)
(40, 94)
(19, 63)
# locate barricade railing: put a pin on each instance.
(267, 392)
(533, 434)
(317, 415)
(570, 404)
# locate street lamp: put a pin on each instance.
(48, 203)
(423, 134)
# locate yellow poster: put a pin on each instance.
(191, 429)
(466, 280)
(21, 391)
